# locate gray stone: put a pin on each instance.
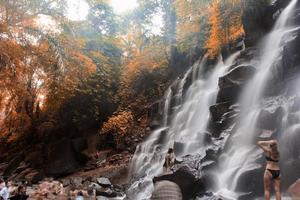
(166, 190)
(104, 182)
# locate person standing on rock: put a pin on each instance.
(169, 160)
(272, 172)
(4, 192)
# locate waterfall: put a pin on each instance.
(242, 153)
(187, 125)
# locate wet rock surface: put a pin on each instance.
(184, 177)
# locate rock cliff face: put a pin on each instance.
(258, 19)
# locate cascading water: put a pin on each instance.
(190, 122)
(242, 154)
(187, 126)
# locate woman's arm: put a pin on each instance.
(264, 145)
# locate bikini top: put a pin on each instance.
(270, 159)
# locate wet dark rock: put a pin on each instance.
(108, 194)
(154, 125)
(231, 83)
(257, 20)
(153, 111)
(251, 183)
(231, 48)
(279, 4)
(223, 115)
(207, 138)
(247, 55)
(230, 93)
(237, 76)
(178, 147)
(296, 18)
(211, 155)
(215, 128)
(259, 17)
(292, 166)
(161, 187)
(218, 110)
(290, 63)
(270, 120)
(185, 179)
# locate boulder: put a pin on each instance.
(160, 188)
(270, 120)
(251, 183)
(218, 110)
(104, 182)
(237, 76)
(231, 83)
(291, 171)
(230, 94)
(187, 182)
(247, 55)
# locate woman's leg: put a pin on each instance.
(267, 184)
(277, 188)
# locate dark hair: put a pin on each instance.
(274, 150)
(170, 150)
(20, 188)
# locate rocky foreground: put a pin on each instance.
(102, 178)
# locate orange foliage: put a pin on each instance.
(142, 60)
(214, 42)
(119, 124)
(189, 13)
(226, 25)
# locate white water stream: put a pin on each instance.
(187, 126)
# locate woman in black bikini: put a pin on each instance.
(272, 172)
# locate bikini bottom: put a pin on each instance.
(275, 173)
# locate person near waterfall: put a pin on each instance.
(169, 160)
(272, 172)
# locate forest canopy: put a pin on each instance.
(104, 69)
